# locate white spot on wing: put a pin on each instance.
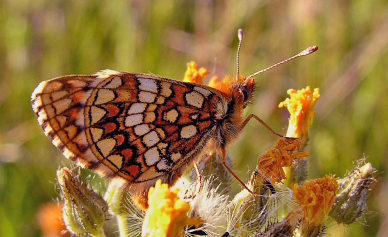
(117, 160)
(96, 133)
(147, 97)
(203, 91)
(58, 95)
(188, 131)
(148, 85)
(106, 146)
(151, 139)
(61, 105)
(104, 96)
(133, 120)
(142, 129)
(195, 99)
(163, 165)
(114, 83)
(97, 114)
(152, 156)
(137, 108)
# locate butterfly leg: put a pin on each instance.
(231, 171)
(262, 122)
(199, 177)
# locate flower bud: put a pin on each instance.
(352, 196)
(84, 210)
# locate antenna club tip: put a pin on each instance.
(240, 34)
(308, 51)
(312, 49)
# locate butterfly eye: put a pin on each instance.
(245, 93)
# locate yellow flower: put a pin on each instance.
(283, 154)
(316, 198)
(194, 75)
(167, 213)
(214, 82)
(300, 105)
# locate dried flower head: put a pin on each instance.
(316, 198)
(300, 105)
(167, 213)
(283, 154)
(194, 75)
(285, 227)
(208, 204)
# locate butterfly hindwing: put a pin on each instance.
(137, 126)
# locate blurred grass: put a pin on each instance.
(43, 39)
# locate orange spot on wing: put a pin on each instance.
(191, 143)
(177, 144)
(134, 170)
(112, 110)
(179, 94)
(173, 137)
(119, 139)
(132, 136)
(129, 82)
(170, 129)
(170, 103)
(110, 127)
(128, 153)
(78, 97)
(204, 125)
(185, 114)
(74, 114)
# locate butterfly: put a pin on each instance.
(139, 128)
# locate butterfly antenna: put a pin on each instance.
(240, 35)
(305, 52)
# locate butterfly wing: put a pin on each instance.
(136, 126)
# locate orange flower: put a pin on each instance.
(51, 220)
(283, 154)
(300, 105)
(316, 198)
(194, 75)
(167, 213)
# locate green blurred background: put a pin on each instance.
(42, 39)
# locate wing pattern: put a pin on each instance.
(136, 126)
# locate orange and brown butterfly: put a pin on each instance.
(139, 127)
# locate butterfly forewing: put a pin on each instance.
(136, 126)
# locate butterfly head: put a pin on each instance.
(245, 89)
